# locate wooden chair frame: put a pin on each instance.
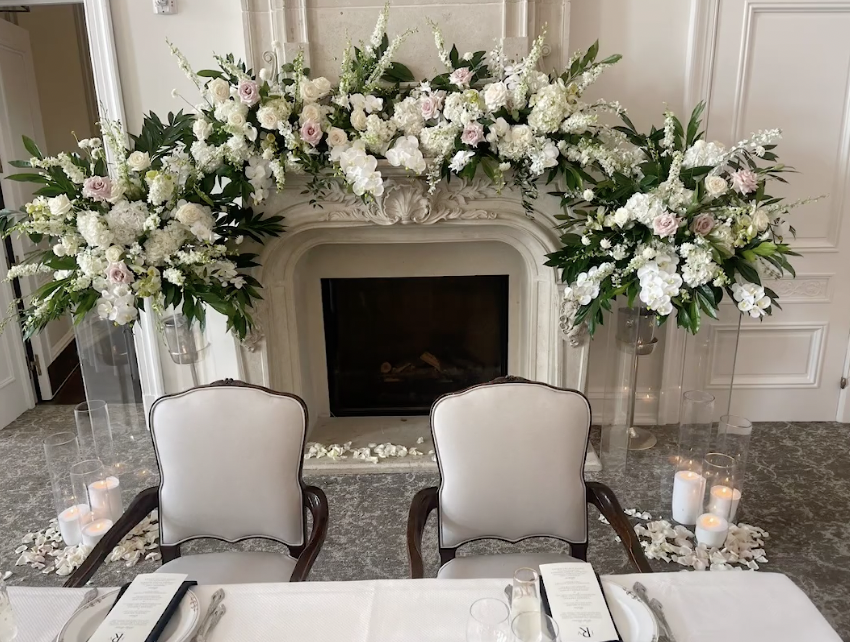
(314, 499)
(427, 500)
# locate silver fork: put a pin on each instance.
(666, 635)
(217, 599)
(220, 610)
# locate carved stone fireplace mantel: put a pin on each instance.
(463, 214)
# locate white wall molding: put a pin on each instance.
(804, 288)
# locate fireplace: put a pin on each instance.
(393, 345)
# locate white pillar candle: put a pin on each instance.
(711, 530)
(71, 521)
(723, 501)
(105, 497)
(92, 533)
(688, 488)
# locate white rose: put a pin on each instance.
(323, 85)
(621, 216)
(313, 112)
(202, 129)
(113, 254)
(219, 90)
(522, 135)
(495, 96)
(336, 136)
(139, 161)
(715, 185)
(59, 206)
(189, 214)
(310, 93)
(358, 120)
(761, 220)
(267, 117)
(236, 119)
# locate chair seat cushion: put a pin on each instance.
(497, 566)
(233, 567)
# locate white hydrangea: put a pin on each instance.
(162, 243)
(406, 153)
(94, 229)
(439, 140)
(175, 276)
(463, 107)
(643, 208)
(208, 157)
(659, 282)
(699, 268)
(126, 221)
(703, 154)
(751, 299)
(160, 188)
(550, 106)
(378, 134)
(407, 116)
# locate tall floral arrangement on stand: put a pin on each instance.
(161, 227)
(692, 221)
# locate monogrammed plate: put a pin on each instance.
(634, 620)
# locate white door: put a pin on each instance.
(16, 394)
(787, 64)
(20, 115)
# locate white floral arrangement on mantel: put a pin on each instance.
(671, 219)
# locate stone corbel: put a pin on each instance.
(267, 22)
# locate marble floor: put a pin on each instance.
(798, 488)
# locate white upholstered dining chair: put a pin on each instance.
(511, 458)
(230, 457)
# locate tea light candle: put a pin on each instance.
(105, 497)
(71, 521)
(688, 488)
(723, 501)
(92, 533)
(711, 530)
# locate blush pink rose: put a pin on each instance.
(98, 188)
(702, 224)
(311, 132)
(472, 134)
(249, 92)
(665, 225)
(744, 181)
(430, 106)
(119, 273)
(461, 77)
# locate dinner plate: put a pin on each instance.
(633, 618)
(85, 621)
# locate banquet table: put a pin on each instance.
(700, 607)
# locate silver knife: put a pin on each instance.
(665, 634)
(656, 607)
(214, 620)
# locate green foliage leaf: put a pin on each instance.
(31, 147)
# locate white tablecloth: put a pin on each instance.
(41, 612)
(701, 607)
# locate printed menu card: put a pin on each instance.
(136, 614)
(577, 603)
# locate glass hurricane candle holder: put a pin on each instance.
(719, 473)
(94, 430)
(733, 438)
(62, 452)
(694, 437)
(92, 482)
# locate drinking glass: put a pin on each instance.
(525, 593)
(534, 627)
(8, 626)
(488, 621)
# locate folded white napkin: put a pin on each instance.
(42, 612)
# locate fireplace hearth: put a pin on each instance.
(394, 345)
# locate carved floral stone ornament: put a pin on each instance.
(665, 218)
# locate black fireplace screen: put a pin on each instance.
(396, 344)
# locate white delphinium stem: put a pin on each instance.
(346, 74)
(528, 66)
(379, 31)
(752, 144)
(116, 141)
(231, 68)
(440, 44)
(386, 59)
(669, 131)
(496, 60)
(184, 65)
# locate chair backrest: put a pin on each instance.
(511, 458)
(230, 456)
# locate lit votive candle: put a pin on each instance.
(711, 530)
(92, 533)
(688, 488)
(105, 496)
(723, 501)
(71, 521)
